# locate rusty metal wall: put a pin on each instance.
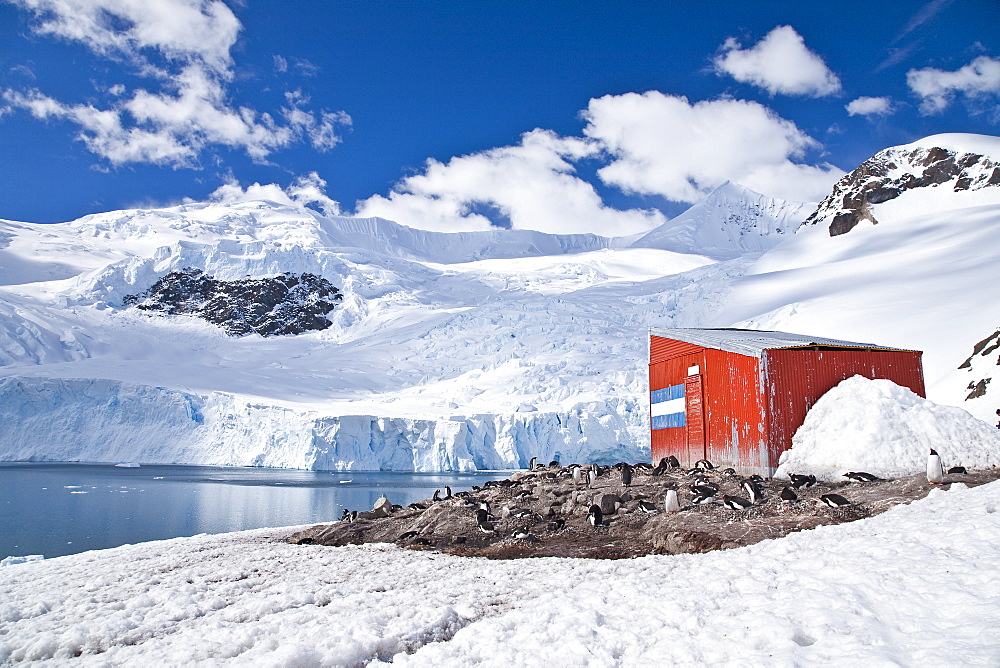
(736, 431)
(795, 379)
(733, 432)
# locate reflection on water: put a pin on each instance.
(59, 509)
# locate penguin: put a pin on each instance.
(788, 495)
(591, 477)
(703, 499)
(627, 475)
(531, 463)
(554, 463)
(408, 535)
(437, 495)
(736, 503)
(557, 524)
(447, 492)
(834, 500)
(346, 514)
(861, 476)
(756, 478)
(729, 473)
(354, 515)
(483, 520)
(647, 507)
(670, 503)
(595, 516)
(704, 490)
(753, 490)
(704, 464)
(800, 481)
(485, 505)
(417, 506)
(935, 472)
(957, 469)
(673, 463)
(577, 475)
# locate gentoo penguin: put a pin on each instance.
(346, 514)
(753, 490)
(554, 463)
(757, 478)
(704, 465)
(704, 490)
(935, 472)
(800, 481)
(447, 492)
(354, 515)
(736, 503)
(673, 462)
(957, 469)
(647, 507)
(861, 476)
(577, 475)
(407, 535)
(591, 477)
(702, 499)
(484, 505)
(670, 502)
(788, 495)
(557, 524)
(437, 495)
(483, 520)
(626, 475)
(595, 516)
(729, 473)
(531, 463)
(834, 500)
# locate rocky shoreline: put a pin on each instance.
(544, 512)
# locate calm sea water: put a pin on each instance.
(59, 509)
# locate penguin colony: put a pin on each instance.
(620, 510)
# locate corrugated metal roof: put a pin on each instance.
(752, 342)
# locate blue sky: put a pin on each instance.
(561, 116)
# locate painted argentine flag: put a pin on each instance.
(666, 407)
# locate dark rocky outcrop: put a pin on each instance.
(284, 304)
(544, 513)
(892, 172)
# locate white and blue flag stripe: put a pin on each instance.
(666, 407)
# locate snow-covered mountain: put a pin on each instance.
(454, 351)
(731, 221)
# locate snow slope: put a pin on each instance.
(915, 586)
(454, 351)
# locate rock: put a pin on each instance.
(607, 502)
(382, 507)
(284, 304)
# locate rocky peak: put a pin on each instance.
(284, 304)
(895, 170)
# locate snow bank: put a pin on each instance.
(915, 586)
(882, 428)
(97, 420)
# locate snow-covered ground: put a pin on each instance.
(915, 586)
(455, 351)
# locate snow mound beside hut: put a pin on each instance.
(884, 429)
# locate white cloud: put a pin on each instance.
(938, 88)
(868, 106)
(531, 184)
(308, 190)
(664, 145)
(185, 109)
(779, 63)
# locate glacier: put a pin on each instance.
(451, 351)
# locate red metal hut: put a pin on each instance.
(736, 396)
